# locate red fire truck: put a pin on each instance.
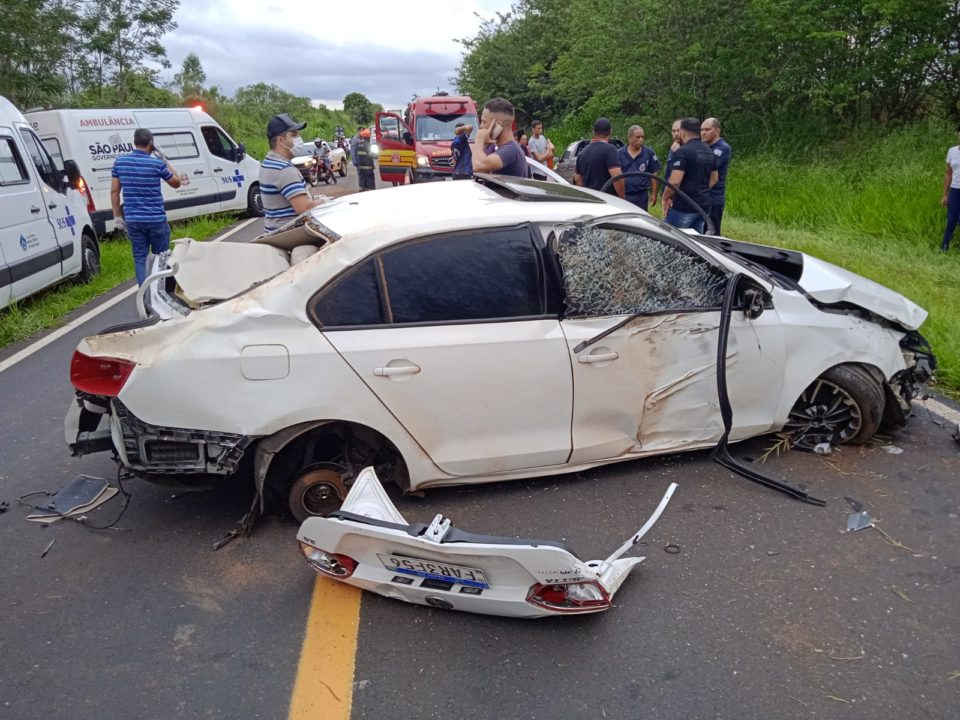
(416, 147)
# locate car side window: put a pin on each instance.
(176, 145)
(41, 159)
(218, 143)
(612, 271)
(12, 169)
(471, 276)
(353, 299)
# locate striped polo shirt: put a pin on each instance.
(140, 175)
(279, 181)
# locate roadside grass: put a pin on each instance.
(46, 310)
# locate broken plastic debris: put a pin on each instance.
(892, 449)
(79, 496)
(859, 521)
(823, 448)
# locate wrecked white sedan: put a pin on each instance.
(469, 332)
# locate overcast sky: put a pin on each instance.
(389, 51)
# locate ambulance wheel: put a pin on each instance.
(89, 258)
(254, 201)
(318, 490)
(343, 169)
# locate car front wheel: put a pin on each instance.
(842, 406)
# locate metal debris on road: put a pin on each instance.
(47, 548)
(823, 448)
(859, 521)
(891, 449)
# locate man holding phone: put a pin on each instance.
(138, 175)
(494, 148)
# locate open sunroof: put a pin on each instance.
(534, 190)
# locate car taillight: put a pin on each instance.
(570, 597)
(330, 564)
(84, 189)
(97, 375)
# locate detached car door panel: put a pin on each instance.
(451, 335)
(651, 385)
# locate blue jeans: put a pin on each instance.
(684, 220)
(147, 237)
(953, 217)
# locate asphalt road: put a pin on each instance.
(769, 610)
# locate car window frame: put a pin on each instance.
(51, 176)
(167, 153)
(221, 135)
(18, 161)
(384, 295)
(650, 234)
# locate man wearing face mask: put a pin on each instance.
(282, 189)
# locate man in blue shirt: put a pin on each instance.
(710, 134)
(138, 175)
(462, 156)
(635, 157)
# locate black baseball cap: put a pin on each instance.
(602, 127)
(282, 123)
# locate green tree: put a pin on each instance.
(189, 81)
(122, 39)
(359, 107)
(35, 44)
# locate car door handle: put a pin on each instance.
(198, 172)
(52, 206)
(218, 169)
(34, 209)
(402, 370)
(599, 357)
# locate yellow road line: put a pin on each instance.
(324, 686)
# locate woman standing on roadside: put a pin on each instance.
(951, 193)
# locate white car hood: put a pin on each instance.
(831, 284)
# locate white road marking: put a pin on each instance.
(938, 408)
(101, 308)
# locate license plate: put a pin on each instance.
(472, 577)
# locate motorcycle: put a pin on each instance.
(324, 170)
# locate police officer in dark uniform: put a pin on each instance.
(365, 162)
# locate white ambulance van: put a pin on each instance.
(216, 173)
(46, 233)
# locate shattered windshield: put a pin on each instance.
(615, 272)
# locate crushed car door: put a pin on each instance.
(398, 153)
(454, 336)
(650, 385)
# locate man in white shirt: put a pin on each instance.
(951, 194)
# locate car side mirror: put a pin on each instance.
(71, 175)
(239, 152)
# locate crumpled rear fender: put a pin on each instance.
(370, 545)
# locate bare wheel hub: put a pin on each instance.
(323, 492)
